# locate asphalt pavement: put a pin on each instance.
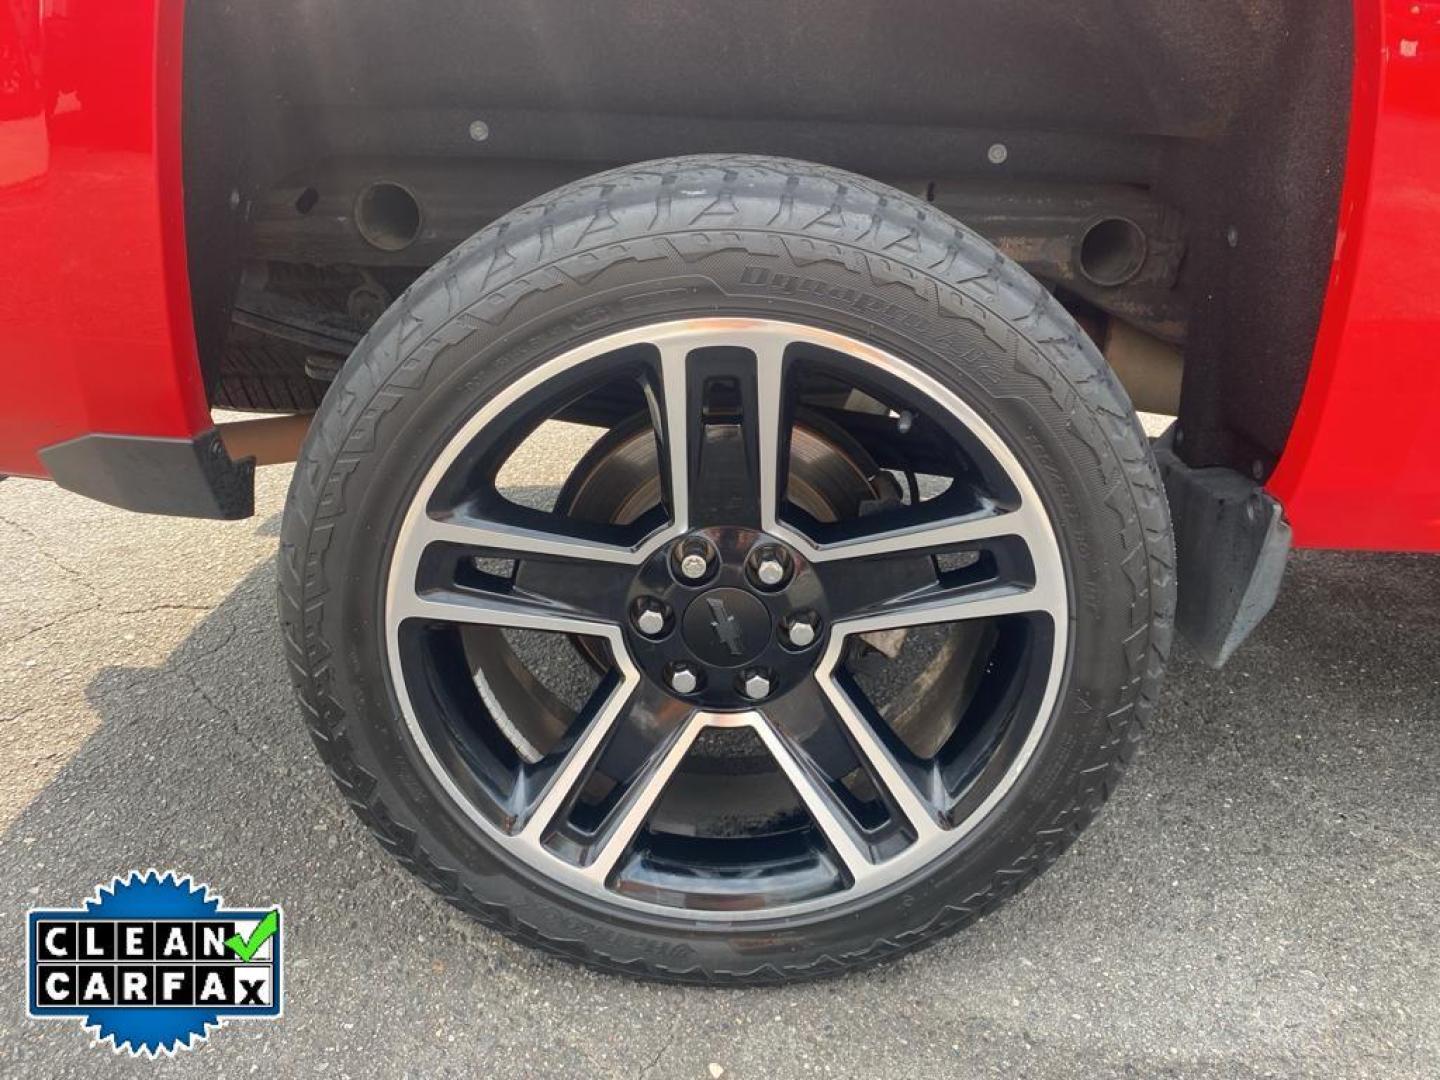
(1261, 897)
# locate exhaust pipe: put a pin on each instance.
(272, 440)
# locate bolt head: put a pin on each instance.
(694, 566)
(756, 685)
(770, 571)
(684, 679)
(650, 622)
(801, 633)
(769, 566)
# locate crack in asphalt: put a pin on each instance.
(152, 608)
(59, 620)
(664, 1046)
(49, 556)
(183, 668)
(98, 607)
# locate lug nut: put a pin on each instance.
(802, 629)
(770, 567)
(755, 685)
(693, 559)
(770, 571)
(684, 679)
(650, 616)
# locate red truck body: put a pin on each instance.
(97, 335)
(96, 331)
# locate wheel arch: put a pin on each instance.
(1197, 108)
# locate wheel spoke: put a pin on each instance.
(830, 816)
(596, 590)
(924, 537)
(670, 417)
(558, 785)
(883, 762)
(512, 540)
(942, 605)
(905, 588)
(723, 439)
(640, 798)
(494, 609)
(772, 426)
(557, 576)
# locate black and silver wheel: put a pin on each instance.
(836, 635)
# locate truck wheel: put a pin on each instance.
(839, 634)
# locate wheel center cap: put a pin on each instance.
(726, 627)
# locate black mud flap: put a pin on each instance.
(1231, 545)
(182, 477)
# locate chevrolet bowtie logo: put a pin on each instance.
(726, 626)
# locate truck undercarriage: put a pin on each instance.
(1171, 173)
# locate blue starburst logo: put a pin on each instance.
(153, 963)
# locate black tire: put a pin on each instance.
(728, 235)
(262, 374)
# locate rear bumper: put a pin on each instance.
(193, 477)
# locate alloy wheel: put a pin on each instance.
(728, 607)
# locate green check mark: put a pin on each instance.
(244, 948)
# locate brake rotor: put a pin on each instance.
(619, 479)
